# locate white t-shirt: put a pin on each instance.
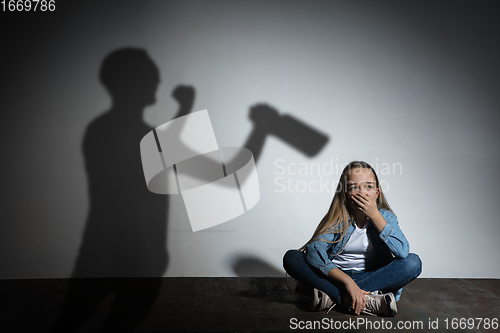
(358, 253)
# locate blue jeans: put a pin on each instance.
(389, 278)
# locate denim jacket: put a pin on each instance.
(389, 243)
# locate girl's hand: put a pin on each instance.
(357, 296)
(366, 204)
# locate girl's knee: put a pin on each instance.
(414, 264)
(292, 256)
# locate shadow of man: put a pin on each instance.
(125, 232)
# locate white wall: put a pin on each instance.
(411, 84)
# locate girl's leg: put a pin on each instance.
(393, 276)
(295, 265)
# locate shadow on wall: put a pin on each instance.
(126, 228)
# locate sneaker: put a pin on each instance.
(296, 288)
(321, 301)
(380, 305)
(299, 291)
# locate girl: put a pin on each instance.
(358, 255)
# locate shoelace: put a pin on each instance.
(328, 301)
(331, 307)
(372, 307)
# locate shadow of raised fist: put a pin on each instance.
(184, 95)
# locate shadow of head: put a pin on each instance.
(130, 76)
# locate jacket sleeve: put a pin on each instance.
(393, 237)
(317, 256)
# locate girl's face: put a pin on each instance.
(361, 181)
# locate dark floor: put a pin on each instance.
(232, 305)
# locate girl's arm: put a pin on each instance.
(357, 294)
(386, 223)
(393, 236)
(317, 256)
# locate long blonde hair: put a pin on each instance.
(338, 217)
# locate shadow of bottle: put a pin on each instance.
(266, 121)
(294, 132)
